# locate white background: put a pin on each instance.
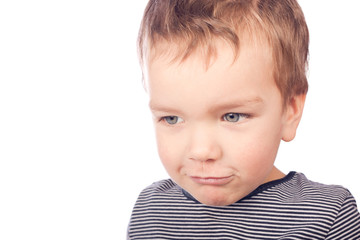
(76, 138)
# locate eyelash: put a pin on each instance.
(238, 117)
(165, 119)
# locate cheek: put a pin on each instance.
(169, 151)
(254, 152)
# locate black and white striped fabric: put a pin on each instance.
(290, 208)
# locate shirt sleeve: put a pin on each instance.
(127, 234)
(347, 222)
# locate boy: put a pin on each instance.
(227, 82)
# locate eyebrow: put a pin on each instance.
(159, 108)
(233, 103)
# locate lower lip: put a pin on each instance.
(212, 181)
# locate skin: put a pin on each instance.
(218, 128)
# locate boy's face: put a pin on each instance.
(218, 129)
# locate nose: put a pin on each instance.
(203, 144)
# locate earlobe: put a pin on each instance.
(292, 116)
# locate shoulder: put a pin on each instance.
(164, 190)
(161, 187)
(305, 189)
(333, 201)
(296, 188)
(323, 199)
(323, 206)
(305, 184)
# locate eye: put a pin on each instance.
(172, 119)
(234, 117)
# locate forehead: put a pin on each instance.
(218, 54)
(248, 76)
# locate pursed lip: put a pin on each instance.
(216, 181)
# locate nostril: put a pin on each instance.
(209, 154)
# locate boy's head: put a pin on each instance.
(226, 81)
(180, 28)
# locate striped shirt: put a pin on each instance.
(289, 208)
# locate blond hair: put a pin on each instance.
(194, 24)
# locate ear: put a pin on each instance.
(292, 115)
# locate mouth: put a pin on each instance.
(215, 181)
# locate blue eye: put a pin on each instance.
(172, 119)
(234, 117)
